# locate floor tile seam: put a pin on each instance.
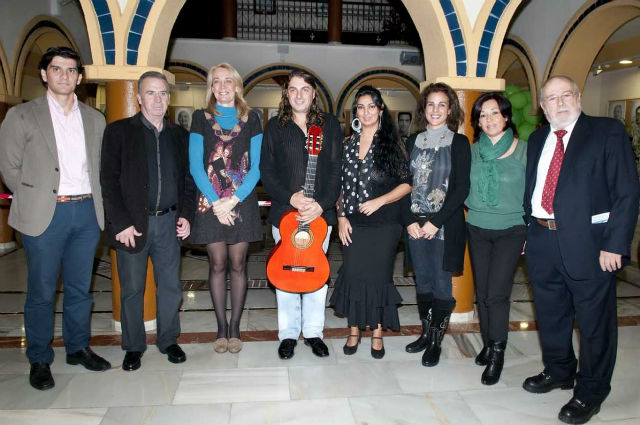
(271, 335)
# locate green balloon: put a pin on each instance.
(510, 89)
(527, 94)
(518, 100)
(525, 130)
(516, 117)
(532, 119)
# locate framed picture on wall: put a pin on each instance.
(260, 112)
(182, 116)
(403, 121)
(617, 110)
(272, 112)
(634, 123)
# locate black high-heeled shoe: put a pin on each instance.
(351, 349)
(377, 354)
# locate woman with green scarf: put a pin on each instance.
(495, 224)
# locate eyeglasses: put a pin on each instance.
(566, 97)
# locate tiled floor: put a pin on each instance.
(256, 387)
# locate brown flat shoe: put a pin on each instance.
(221, 345)
(235, 345)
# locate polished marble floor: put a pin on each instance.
(256, 387)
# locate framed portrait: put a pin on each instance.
(260, 112)
(634, 112)
(264, 7)
(617, 110)
(403, 121)
(182, 117)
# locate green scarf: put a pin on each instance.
(489, 175)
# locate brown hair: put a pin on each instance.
(456, 114)
(315, 116)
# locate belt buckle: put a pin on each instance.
(551, 224)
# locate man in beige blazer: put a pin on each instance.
(50, 160)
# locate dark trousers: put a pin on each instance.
(68, 244)
(494, 257)
(164, 249)
(558, 301)
(427, 257)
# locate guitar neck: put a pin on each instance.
(309, 183)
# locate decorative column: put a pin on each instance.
(6, 232)
(335, 21)
(229, 19)
(463, 289)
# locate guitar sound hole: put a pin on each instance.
(302, 239)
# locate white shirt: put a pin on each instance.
(543, 167)
(72, 151)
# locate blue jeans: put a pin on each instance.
(69, 243)
(301, 312)
(427, 256)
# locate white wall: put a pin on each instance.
(612, 85)
(540, 23)
(15, 14)
(334, 64)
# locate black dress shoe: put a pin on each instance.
(577, 412)
(285, 351)
(543, 383)
(174, 354)
(40, 376)
(483, 356)
(89, 360)
(377, 354)
(349, 350)
(132, 360)
(318, 347)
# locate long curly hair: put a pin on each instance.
(390, 155)
(315, 116)
(456, 116)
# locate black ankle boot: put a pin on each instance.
(441, 313)
(491, 374)
(424, 309)
(483, 356)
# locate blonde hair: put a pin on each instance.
(239, 102)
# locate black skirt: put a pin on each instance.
(364, 292)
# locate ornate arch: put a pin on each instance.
(585, 34)
(187, 67)
(6, 85)
(35, 30)
(276, 69)
(521, 52)
(397, 75)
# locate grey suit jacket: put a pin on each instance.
(29, 163)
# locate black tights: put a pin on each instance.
(237, 253)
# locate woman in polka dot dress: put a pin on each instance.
(375, 181)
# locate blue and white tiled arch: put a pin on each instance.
(487, 36)
(456, 36)
(106, 30)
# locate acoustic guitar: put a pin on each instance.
(298, 263)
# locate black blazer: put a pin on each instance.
(598, 175)
(451, 215)
(124, 176)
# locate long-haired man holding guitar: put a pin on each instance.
(287, 170)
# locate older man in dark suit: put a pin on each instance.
(149, 202)
(50, 159)
(581, 203)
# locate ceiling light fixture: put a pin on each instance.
(625, 62)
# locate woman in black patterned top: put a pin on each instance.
(375, 178)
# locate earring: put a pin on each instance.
(356, 125)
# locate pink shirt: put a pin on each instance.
(72, 152)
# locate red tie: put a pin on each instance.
(549, 191)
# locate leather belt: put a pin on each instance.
(162, 212)
(74, 198)
(549, 224)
